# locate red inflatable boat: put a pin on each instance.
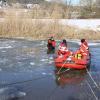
(72, 62)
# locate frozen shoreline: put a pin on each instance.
(90, 24)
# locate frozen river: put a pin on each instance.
(28, 73)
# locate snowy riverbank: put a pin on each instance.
(91, 24)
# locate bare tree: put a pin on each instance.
(87, 7)
(69, 6)
(97, 3)
(87, 3)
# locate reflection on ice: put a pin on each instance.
(3, 51)
(0, 69)
(43, 60)
(51, 58)
(50, 62)
(70, 77)
(94, 44)
(3, 60)
(9, 93)
(6, 47)
(42, 43)
(32, 63)
(43, 73)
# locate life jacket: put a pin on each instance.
(62, 48)
(53, 43)
(84, 49)
(78, 56)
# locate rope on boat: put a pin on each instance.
(20, 82)
(92, 91)
(61, 68)
(65, 71)
(94, 84)
(92, 79)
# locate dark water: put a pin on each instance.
(28, 73)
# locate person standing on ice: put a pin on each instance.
(51, 44)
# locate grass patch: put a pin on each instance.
(36, 29)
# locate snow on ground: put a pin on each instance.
(92, 24)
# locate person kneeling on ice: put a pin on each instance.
(51, 44)
(63, 49)
(83, 49)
